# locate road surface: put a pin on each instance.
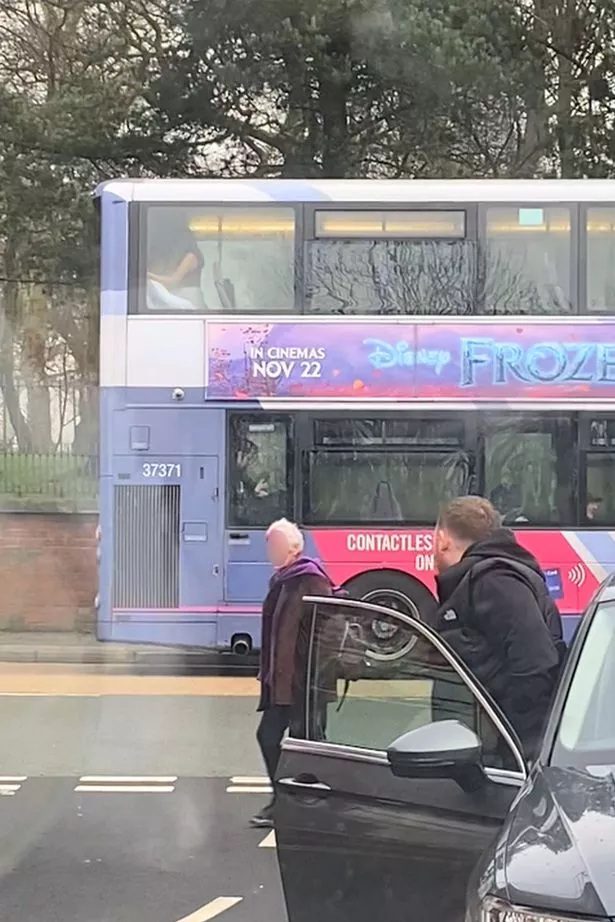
(126, 798)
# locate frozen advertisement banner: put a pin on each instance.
(487, 360)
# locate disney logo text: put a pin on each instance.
(388, 355)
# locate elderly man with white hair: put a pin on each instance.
(284, 643)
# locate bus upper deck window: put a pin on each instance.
(529, 260)
(218, 258)
(600, 250)
(390, 224)
(415, 261)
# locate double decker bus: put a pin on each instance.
(349, 354)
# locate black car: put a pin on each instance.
(419, 806)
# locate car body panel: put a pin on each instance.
(351, 852)
(351, 836)
(560, 843)
(354, 841)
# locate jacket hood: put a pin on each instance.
(502, 543)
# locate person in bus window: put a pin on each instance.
(255, 500)
(506, 499)
(175, 264)
(385, 505)
(284, 644)
(247, 459)
(594, 508)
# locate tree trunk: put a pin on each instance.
(563, 33)
(333, 100)
(536, 139)
(9, 310)
(39, 416)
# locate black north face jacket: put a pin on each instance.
(501, 621)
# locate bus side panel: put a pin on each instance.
(574, 562)
(113, 311)
(247, 571)
(247, 575)
(163, 512)
(109, 398)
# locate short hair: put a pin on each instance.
(290, 531)
(470, 518)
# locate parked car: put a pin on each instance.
(420, 806)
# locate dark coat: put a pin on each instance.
(504, 625)
(285, 633)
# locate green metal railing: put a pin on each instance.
(61, 480)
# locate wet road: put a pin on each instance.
(127, 798)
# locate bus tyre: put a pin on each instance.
(387, 639)
(395, 590)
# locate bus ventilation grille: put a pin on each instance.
(146, 547)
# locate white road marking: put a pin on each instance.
(213, 909)
(12, 779)
(249, 789)
(250, 779)
(125, 788)
(8, 790)
(268, 841)
(128, 779)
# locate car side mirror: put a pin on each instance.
(443, 749)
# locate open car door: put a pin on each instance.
(405, 775)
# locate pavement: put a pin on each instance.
(126, 798)
(66, 647)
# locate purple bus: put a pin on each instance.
(348, 354)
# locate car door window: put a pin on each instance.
(586, 733)
(375, 674)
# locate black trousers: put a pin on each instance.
(275, 721)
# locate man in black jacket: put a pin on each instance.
(496, 612)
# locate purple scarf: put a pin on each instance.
(303, 566)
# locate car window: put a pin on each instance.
(373, 675)
(586, 732)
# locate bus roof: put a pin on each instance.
(419, 191)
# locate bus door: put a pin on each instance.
(200, 554)
(259, 491)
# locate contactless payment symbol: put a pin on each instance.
(553, 579)
(577, 574)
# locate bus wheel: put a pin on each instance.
(390, 641)
(393, 590)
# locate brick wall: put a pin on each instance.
(48, 577)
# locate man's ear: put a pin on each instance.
(443, 538)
